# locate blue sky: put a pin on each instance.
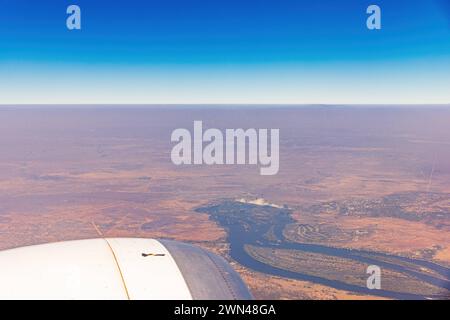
(210, 51)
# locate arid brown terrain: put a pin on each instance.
(371, 178)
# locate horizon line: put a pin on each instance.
(224, 104)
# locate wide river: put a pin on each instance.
(240, 235)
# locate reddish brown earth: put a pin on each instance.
(63, 169)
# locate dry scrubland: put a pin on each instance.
(375, 179)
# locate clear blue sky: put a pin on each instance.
(227, 51)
